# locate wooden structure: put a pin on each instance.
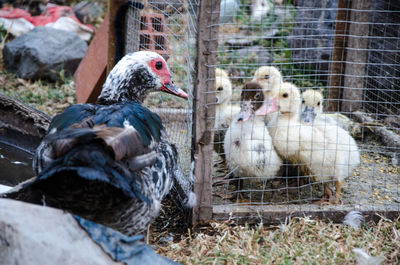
(346, 93)
(349, 55)
(203, 123)
(142, 32)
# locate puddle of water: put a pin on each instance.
(15, 164)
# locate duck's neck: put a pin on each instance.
(133, 84)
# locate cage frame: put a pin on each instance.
(202, 138)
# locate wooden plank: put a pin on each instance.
(91, 72)
(277, 214)
(337, 67)
(356, 56)
(204, 112)
(113, 7)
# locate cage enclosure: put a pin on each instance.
(294, 105)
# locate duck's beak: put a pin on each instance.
(172, 89)
(243, 115)
(308, 115)
(268, 107)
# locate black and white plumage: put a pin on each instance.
(111, 162)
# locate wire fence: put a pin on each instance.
(300, 39)
(345, 54)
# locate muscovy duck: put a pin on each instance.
(111, 162)
(225, 111)
(312, 111)
(329, 152)
(248, 144)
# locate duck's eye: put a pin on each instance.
(159, 65)
(257, 96)
(220, 88)
(285, 95)
(266, 76)
(304, 102)
(319, 103)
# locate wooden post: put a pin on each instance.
(204, 108)
(337, 67)
(356, 56)
(91, 73)
(113, 7)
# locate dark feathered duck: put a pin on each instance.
(111, 162)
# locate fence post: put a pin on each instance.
(204, 107)
(357, 45)
(338, 57)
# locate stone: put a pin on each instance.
(87, 12)
(257, 54)
(32, 234)
(43, 52)
(311, 40)
(240, 42)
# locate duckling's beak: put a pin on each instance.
(243, 115)
(246, 110)
(174, 90)
(308, 115)
(268, 107)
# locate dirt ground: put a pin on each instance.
(375, 181)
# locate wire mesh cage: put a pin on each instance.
(294, 105)
(168, 28)
(343, 59)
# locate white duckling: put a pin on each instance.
(248, 145)
(312, 111)
(268, 77)
(221, 72)
(224, 110)
(329, 152)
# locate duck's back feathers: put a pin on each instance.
(128, 130)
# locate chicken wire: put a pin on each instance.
(169, 28)
(298, 37)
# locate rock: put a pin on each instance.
(228, 10)
(314, 18)
(239, 42)
(87, 12)
(257, 54)
(43, 52)
(31, 234)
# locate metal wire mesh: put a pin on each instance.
(347, 52)
(169, 28)
(299, 38)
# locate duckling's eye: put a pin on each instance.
(257, 96)
(304, 102)
(159, 65)
(220, 88)
(266, 76)
(319, 103)
(285, 95)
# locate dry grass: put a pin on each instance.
(299, 241)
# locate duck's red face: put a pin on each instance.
(160, 68)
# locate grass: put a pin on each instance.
(299, 241)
